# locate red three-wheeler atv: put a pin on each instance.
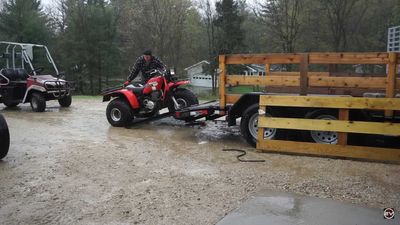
(145, 101)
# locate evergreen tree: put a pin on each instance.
(88, 42)
(229, 24)
(24, 21)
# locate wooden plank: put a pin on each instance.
(310, 74)
(342, 136)
(349, 58)
(398, 58)
(352, 82)
(232, 98)
(391, 79)
(288, 81)
(331, 102)
(221, 83)
(359, 152)
(267, 69)
(304, 74)
(263, 59)
(260, 133)
(315, 58)
(380, 128)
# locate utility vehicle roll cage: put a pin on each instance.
(11, 54)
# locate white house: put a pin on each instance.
(198, 77)
(253, 70)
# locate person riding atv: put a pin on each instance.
(145, 64)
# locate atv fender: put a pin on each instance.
(178, 83)
(128, 95)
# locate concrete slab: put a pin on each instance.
(277, 208)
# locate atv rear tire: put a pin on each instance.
(185, 98)
(38, 102)
(10, 104)
(65, 101)
(4, 137)
(249, 125)
(119, 113)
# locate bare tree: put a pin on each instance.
(339, 13)
(283, 20)
(208, 14)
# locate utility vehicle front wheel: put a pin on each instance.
(65, 101)
(38, 102)
(119, 113)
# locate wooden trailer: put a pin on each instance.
(317, 104)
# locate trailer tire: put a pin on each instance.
(4, 137)
(249, 129)
(38, 102)
(184, 97)
(322, 137)
(65, 101)
(119, 113)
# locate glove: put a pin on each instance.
(126, 83)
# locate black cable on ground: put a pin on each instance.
(243, 153)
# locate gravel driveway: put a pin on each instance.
(69, 166)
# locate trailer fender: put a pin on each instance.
(129, 96)
(241, 105)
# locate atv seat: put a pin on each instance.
(18, 74)
(136, 90)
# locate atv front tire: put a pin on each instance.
(184, 98)
(65, 101)
(119, 113)
(4, 137)
(38, 102)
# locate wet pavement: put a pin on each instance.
(69, 166)
(279, 208)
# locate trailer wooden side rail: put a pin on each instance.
(305, 80)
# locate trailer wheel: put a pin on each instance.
(4, 137)
(38, 102)
(119, 113)
(249, 125)
(65, 101)
(322, 137)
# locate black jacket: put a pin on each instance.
(142, 66)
